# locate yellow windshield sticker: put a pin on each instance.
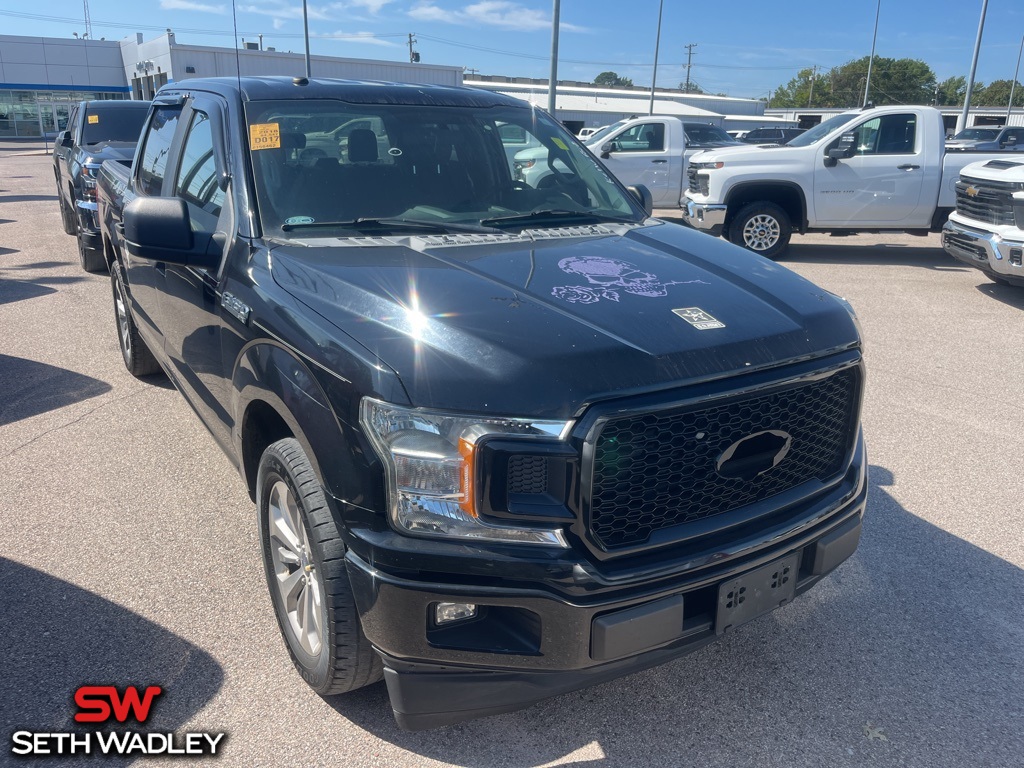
(93, 119)
(558, 143)
(264, 136)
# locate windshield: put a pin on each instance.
(114, 124)
(706, 134)
(324, 164)
(976, 134)
(596, 137)
(821, 130)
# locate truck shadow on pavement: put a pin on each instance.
(879, 254)
(1011, 295)
(909, 654)
(57, 636)
(12, 290)
(28, 388)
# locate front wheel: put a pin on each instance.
(304, 560)
(761, 227)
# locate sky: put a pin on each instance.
(743, 48)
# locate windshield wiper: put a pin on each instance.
(549, 215)
(371, 223)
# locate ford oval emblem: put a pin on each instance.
(754, 454)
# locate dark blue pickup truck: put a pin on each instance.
(504, 441)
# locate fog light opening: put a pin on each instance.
(447, 613)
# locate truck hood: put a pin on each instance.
(109, 150)
(543, 324)
(752, 154)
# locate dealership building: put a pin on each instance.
(40, 77)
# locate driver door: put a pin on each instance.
(639, 155)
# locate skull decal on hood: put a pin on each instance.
(607, 277)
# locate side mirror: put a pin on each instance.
(845, 149)
(65, 139)
(1011, 140)
(606, 149)
(643, 196)
(160, 229)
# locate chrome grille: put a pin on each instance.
(983, 200)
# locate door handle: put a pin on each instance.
(659, 161)
(908, 167)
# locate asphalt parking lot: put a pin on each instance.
(129, 552)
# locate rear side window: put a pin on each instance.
(153, 161)
(113, 124)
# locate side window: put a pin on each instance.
(197, 179)
(73, 122)
(153, 161)
(887, 135)
(643, 137)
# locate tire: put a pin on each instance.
(91, 259)
(136, 355)
(67, 216)
(761, 227)
(304, 560)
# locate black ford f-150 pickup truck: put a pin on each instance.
(97, 131)
(504, 442)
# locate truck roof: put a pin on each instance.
(355, 91)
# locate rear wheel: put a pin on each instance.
(304, 560)
(761, 227)
(137, 358)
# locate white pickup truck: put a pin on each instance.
(987, 228)
(652, 151)
(871, 170)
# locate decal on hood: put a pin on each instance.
(606, 277)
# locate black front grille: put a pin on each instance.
(527, 474)
(658, 470)
(983, 200)
(699, 183)
(966, 246)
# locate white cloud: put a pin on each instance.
(188, 5)
(278, 23)
(373, 6)
(361, 37)
(495, 13)
(282, 10)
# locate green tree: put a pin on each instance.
(893, 81)
(997, 94)
(612, 80)
(951, 92)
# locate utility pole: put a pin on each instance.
(553, 79)
(814, 76)
(962, 122)
(657, 45)
(1013, 85)
(414, 56)
(689, 57)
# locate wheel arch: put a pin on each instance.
(787, 195)
(276, 395)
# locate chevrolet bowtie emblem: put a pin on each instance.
(971, 191)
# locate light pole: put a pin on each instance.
(553, 80)
(1013, 85)
(962, 122)
(657, 44)
(871, 59)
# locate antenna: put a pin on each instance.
(88, 20)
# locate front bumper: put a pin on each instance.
(88, 224)
(705, 216)
(531, 641)
(994, 254)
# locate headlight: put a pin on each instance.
(431, 466)
(705, 166)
